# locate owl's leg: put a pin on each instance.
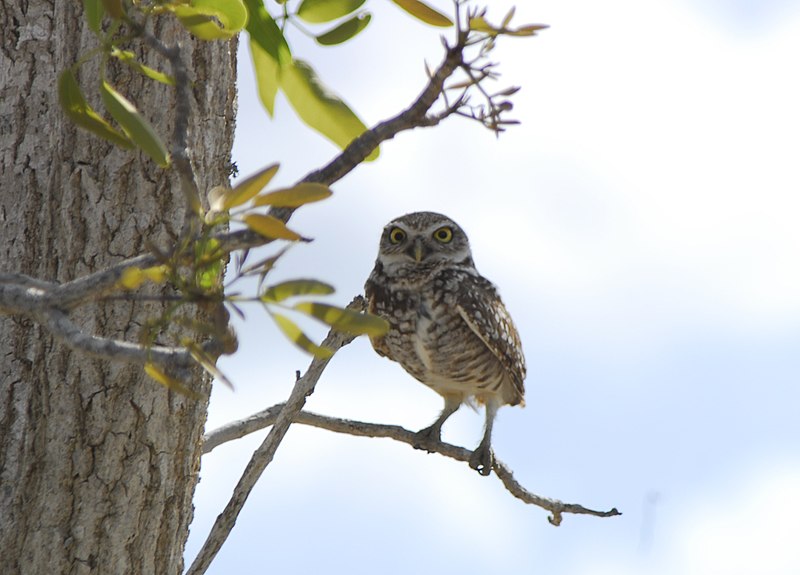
(433, 433)
(482, 458)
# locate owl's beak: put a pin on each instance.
(417, 250)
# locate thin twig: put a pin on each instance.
(266, 451)
(269, 416)
(180, 133)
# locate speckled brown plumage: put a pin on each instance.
(448, 327)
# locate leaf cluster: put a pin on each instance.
(195, 272)
(194, 267)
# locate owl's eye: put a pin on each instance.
(444, 234)
(396, 235)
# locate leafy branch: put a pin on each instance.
(189, 273)
(192, 268)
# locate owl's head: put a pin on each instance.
(423, 241)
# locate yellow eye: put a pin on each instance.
(444, 234)
(396, 235)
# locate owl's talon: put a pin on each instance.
(427, 436)
(482, 459)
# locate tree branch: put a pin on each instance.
(269, 416)
(262, 457)
(17, 298)
(415, 116)
(23, 296)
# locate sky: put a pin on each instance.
(641, 225)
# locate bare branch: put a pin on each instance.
(73, 337)
(38, 300)
(269, 416)
(262, 457)
(415, 116)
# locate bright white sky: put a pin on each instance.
(642, 227)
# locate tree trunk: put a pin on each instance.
(98, 463)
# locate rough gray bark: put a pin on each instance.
(97, 463)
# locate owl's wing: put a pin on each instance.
(376, 297)
(481, 308)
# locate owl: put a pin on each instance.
(448, 327)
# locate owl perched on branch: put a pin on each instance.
(448, 327)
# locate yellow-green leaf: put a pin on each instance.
(318, 107)
(269, 49)
(208, 264)
(344, 319)
(344, 31)
(207, 363)
(287, 289)
(94, 14)
(129, 58)
(212, 19)
(508, 17)
(83, 115)
(425, 13)
(265, 32)
(156, 274)
(131, 278)
(133, 124)
(297, 337)
(247, 189)
(528, 30)
(169, 382)
(318, 11)
(296, 196)
(479, 24)
(270, 227)
(267, 71)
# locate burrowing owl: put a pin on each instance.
(448, 327)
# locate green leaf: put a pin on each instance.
(208, 264)
(270, 227)
(287, 289)
(265, 32)
(318, 11)
(344, 31)
(344, 319)
(83, 115)
(425, 13)
(247, 189)
(212, 19)
(267, 71)
(294, 197)
(268, 48)
(129, 58)
(133, 124)
(94, 14)
(297, 337)
(318, 107)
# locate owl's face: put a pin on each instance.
(421, 242)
